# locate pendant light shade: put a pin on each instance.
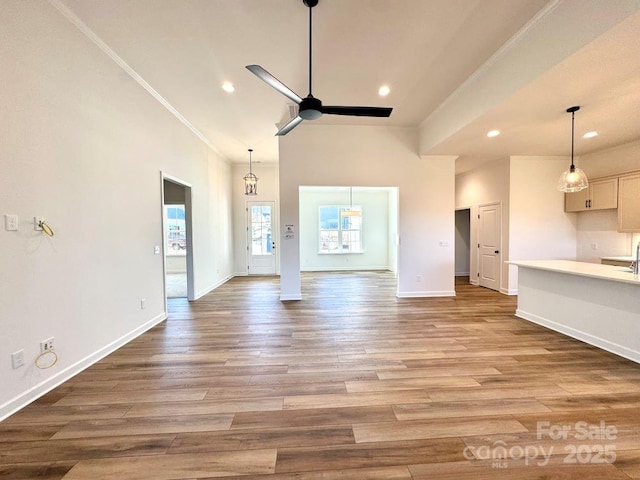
(573, 179)
(250, 180)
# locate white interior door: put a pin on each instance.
(261, 242)
(489, 245)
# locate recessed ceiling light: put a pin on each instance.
(493, 133)
(384, 90)
(590, 134)
(228, 87)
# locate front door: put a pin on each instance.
(261, 241)
(489, 241)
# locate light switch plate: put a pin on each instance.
(10, 222)
(17, 359)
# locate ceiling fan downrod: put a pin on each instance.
(310, 4)
(311, 108)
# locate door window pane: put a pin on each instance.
(261, 230)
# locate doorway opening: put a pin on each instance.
(463, 245)
(348, 228)
(176, 227)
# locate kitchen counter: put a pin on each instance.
(583, 269)
(598, 304)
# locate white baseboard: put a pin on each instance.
(620, 350)
(25, 398)
(211, 288)
(462, 274)
(346, 269)
(290, 297)
(426, 294)
(509, 291)
(474, 282)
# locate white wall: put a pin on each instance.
(83, 145)
(539, 229)
(320, 155)
(375, 229)
(601, 227)
(268, 191)
(487, 184)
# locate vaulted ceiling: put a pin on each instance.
(425, 50)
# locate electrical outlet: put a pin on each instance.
(37, 223)
(418, 278)
(46, 345)
(142, 302)
(10, 222)
(17, 359)
(594, 246)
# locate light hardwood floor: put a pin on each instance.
(350, 383)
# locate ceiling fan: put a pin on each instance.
(311, 108)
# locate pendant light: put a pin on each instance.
(573, 179)
(250, 180)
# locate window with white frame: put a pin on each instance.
(340, 229)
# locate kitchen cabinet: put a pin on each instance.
(629, 203)
(599, 195)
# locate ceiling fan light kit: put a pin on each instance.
(311, 108)
(573, 179)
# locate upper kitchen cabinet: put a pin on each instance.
(600, 195)
(629, 203)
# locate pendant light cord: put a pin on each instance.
(573, 117)
(573, 111)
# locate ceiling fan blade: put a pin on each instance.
(266, 77)
(357, 111)
(289, 126)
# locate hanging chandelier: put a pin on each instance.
(250, 180)
(573, 179)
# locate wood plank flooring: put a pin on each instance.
(350, 383)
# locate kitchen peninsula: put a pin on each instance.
(598, 304)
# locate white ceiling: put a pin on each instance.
(423, 49)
